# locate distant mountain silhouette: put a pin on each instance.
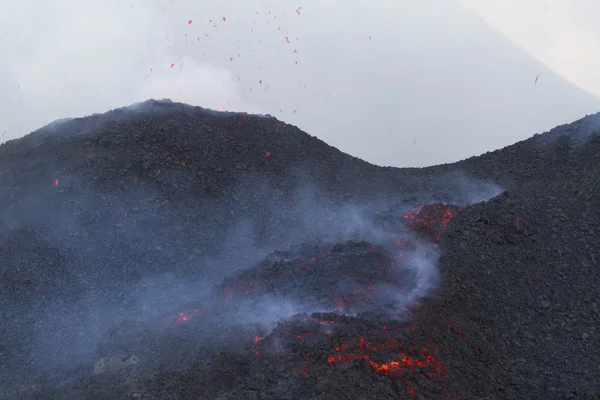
(446, 85)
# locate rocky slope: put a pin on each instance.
(168, 251)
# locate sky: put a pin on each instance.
(564, 34)
(403, 83)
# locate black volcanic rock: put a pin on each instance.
(122, 234)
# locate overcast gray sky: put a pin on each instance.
(402, 83)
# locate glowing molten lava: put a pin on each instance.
(431, 219)
(327, 276)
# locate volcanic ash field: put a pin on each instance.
(163, 251)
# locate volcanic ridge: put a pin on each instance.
(164, 251)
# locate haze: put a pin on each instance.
(403, 83)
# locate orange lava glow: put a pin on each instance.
(366, 350)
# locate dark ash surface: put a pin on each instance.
(230, 256)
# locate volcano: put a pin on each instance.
(164, 251)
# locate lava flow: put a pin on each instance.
(362, 292)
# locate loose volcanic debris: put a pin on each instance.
(164, 251)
